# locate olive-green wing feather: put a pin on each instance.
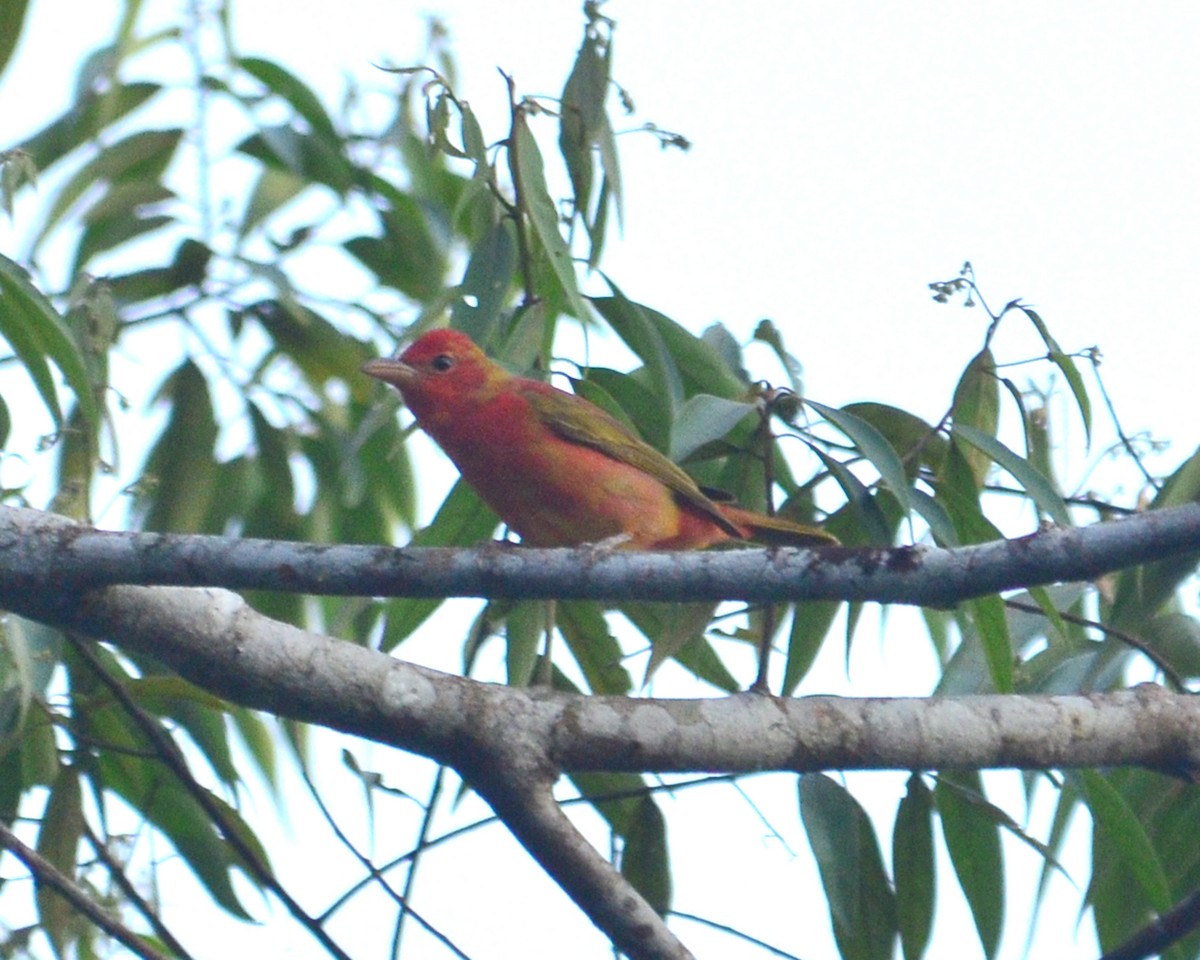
(581, 421)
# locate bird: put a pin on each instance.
(557, 469)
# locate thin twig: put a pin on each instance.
(46, 874)
(1154, 938)
(375, 873)
(435, 793)
(130, 892)
(1112, 412)
(734, 932)
(168, 755)
(1137, 643)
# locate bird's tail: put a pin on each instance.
(775, 531)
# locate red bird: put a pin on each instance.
(557, 469)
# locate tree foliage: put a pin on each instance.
(253, 257)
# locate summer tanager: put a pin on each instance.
(556, 468)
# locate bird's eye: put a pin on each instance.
(442, 363)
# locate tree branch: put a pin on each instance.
(46, 874)
(511, 743)
(38, 548)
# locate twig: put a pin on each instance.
(130, 892)
(46, 874)
(375, 874)
(1137, 643)
(169, 756)
(435, 793)
(1154, 938)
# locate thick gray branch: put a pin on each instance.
(511, 743)
(37, 547)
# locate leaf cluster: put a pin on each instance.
(196, 247)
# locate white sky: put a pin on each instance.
(844, 156)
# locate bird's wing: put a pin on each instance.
(580, 421)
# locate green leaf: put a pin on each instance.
(810, 626)
(1175, 637)
(1066, 364)
(524, 628)
(862, 906)
(140, 157)
(58, 842)
(913, 863)
(462, 520)
(958, 494)
(633, 323)
(645, 860)
(581, 113)
(119, 216)
(162, 800)
(700, 659)
(12, 17)
(992, 624)
(584, 627)
(408, 255)
(1124, 833)
(188, 268)
(1035, 484)
(307, 155)
(915, 440)
(973, 841)
(977, 404)
(318, 348)
(872, 444)
(294, 92)
(179, 477)
(1142, 590)
(91, 113)
(36, 333)
(273, 189)
(703, 419)
(529, 175)
(485, 286)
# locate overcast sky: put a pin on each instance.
(844, 156)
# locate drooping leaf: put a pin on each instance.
(973, 841)
(273, 189)
(810, 626)
(977, 404)
(295, 92)
(58, 843)
(645, 860)
(529, 174)
(1037, 486)
(862, 905)
(704, 419)
(12, 16)
(179, 478)
(462, 520)
(875, 447)
(91, 113)
(1142, 590)
(992, 627)
(912, 860)
(592, 644)
(407, 254)
(1066, 364)
(485, 285)
(37, 333)
(1124, 833)
(524, 628)
(141, 157)
(912, 438)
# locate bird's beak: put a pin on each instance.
(390, 370)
